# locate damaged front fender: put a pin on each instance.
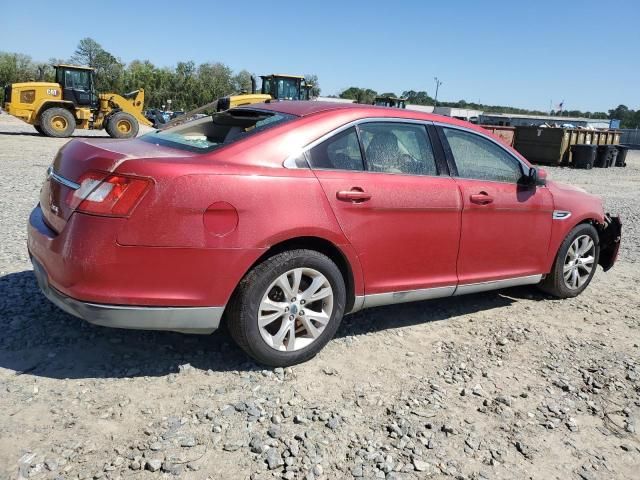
(610, 233)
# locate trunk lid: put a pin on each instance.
(80, 156)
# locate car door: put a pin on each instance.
(401, 216)
(506, 225)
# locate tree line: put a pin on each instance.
(628, 118)
(188, 85)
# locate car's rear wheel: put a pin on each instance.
(288, 307)
(575, 263)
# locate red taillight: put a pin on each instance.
(105, 194)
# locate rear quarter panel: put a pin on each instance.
(271, 205)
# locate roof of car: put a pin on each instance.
(310, 107)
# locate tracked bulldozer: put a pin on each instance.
(57, 108)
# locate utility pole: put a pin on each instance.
(438, 83)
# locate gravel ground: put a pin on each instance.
(509, 384)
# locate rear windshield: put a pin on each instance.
(211, 132)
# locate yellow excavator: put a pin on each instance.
(276, 86)
(56, 109)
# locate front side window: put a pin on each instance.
(479, 158)
(79, 80)
(340, 152)
(398, 148)
(288, 88)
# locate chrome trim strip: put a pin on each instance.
(51, 174)
(358, 304)
(201, 320)
(561, 214)
(290, 160)
(391, 298)
(496, 284)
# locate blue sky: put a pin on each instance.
(515, 53)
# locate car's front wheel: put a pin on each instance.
(288, 307)
(575, 263)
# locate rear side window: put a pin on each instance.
(398, 148)
(208, 133)
(480, 159)
(341, 152)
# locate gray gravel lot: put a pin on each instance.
(508, 384)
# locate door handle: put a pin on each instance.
(482, 198)
(356, 195)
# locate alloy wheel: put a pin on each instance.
(295, 309)
(579, 262)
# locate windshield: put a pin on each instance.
(288, 89)
(208, 133)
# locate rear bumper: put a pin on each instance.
(178, 319)
(85, 272)
(84, 261)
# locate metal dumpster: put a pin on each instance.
(588, 137)
(507, 134)
(551, 145)
(615, 140)
(542, 145)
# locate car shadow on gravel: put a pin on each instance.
(38, 338)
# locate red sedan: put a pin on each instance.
(280, 218)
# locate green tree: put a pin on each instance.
(214, 80)
(242, 81)
(360, 95)
(312, 79)
(109, 70)
(87, 52)
(417, 98)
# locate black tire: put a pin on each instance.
(554, 283)
(57, 122)
(241, 317)
(122, 125)
(39, 129)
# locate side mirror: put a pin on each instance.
(542, 177)
(535, 177)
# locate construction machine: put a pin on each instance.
(393, 102)
(276, 86)
(56, 109)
